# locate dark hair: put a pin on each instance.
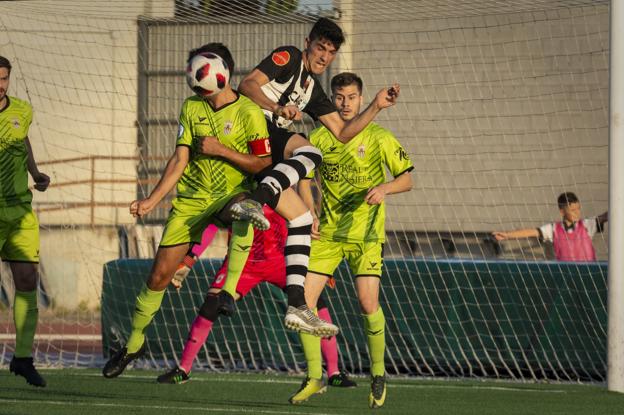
(218, 49)
(566, 199)
(325, 28)
(4, 63)
(345, 79)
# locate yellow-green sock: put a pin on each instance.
(238, 252)
(375, 325)
(25, 313)
(312, 352)
(146, 306)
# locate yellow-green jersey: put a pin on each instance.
(15, 120)
(240, 126)
(347, 173)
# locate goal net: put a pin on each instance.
(503, 106)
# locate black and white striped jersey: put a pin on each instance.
(291, 84)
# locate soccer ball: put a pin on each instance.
(207, 74)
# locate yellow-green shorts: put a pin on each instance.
(364, 258)
(19, 234)
(188, 218)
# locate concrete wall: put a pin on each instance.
(76, 62)
(503, 106)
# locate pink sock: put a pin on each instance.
(197, 337)
(329, 348)
(207, 237)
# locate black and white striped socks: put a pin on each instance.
(287, 173)
(297, 254)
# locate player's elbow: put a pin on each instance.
(259, 164)
(408, 183)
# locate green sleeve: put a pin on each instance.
(394, 156)
(185, 133)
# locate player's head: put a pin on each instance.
(5, 72)
(216, 48)
(322, 44)
(347, 94)
(569, 206)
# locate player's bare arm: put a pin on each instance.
(377, 194)
(250, 163)
(346, 130)
(251, 86)
(173, 171)
(517, 234)
(42, 180)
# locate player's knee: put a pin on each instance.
(311, 152)
(304, 219)
(159, 280)
(369, 305)
(24, 276)
(25, 282)
(209, 309)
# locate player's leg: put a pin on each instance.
(301, 158)
(25, 316)
(146, 306)
(241, 239)
(293, 159)
(203, 323)
(365, 261)
(200, 329)
(297, 254)
(20, 247)
(313, 383)
(329, 350)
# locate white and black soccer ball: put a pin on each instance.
(207, 74)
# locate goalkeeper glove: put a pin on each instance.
(183, 270)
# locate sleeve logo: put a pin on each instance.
(401, 154)
(281, 58)
(180, 130)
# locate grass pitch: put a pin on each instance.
(81, 391)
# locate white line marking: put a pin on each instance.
(220, 378)
(56, 337)
(175, 409)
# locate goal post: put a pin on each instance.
(615, 370)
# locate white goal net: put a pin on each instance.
(504, 106)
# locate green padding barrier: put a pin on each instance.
(444, 318)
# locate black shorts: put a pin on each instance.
(278, 137)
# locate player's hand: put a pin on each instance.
(210, 146)
(376, 195)
(42, 181)
(315, 234)
(179, 276)
(499, 236)
(290, 112)
(387, 97)
(183, 270)
(139, 208)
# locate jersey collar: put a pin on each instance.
(223, 106)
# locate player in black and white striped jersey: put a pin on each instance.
(284, 85)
